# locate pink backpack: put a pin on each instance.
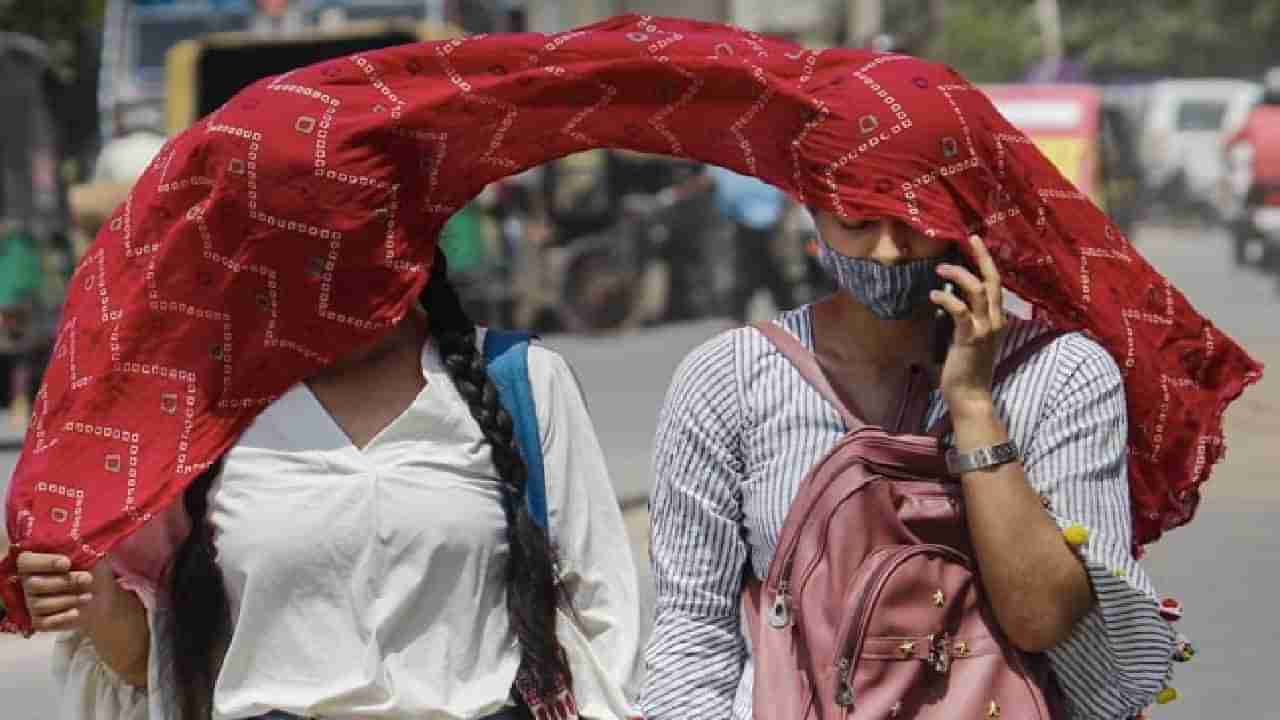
(872, 607)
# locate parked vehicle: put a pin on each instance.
(139, 34)
(1090, 141)
(1064, 123)
(1184, 125)
(205, 71)
(166, 63)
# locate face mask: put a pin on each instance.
(890, 292)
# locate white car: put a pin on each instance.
(1184, 124)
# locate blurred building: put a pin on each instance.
(798, 18)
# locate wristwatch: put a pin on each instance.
(987, 457)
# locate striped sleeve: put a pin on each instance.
(1119, 656)
(695, 655)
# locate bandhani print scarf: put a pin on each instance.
(300, 220)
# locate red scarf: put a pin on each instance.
(299, 220)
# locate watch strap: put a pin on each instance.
(982, 458)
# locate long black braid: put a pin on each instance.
(201, 613)
(533, 592)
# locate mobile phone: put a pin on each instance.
(944, 327)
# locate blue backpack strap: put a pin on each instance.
(506, 353)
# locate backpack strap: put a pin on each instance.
(1003, 370)
(506, 353)
(807, 364)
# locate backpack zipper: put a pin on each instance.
(780, 611)
(850, 645)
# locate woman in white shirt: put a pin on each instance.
(365, 551)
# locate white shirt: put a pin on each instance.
(368, 583)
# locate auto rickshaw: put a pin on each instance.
(202, 73)
(1090, 141)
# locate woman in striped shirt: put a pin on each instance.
(741, 429)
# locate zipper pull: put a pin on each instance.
(780, 613)
(844, 691)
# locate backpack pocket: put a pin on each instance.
(933, 512)
(917, 642)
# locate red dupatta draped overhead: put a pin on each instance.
(299, 220)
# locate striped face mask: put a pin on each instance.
(890, 292)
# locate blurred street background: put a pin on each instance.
(1166, 114)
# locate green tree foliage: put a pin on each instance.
(998, 40)
(1180, 38)
(71, 30)
(986, 40)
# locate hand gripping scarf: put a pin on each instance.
(300, 219)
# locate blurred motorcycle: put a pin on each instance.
(620, 244)
(1261, 226)
(645, 270)
(1253, 154)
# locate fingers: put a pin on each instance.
(65, 584)
(975, 296)
(30, 563)
(55, 596)
(975, 293)
(991, 280)
(985, 296)
(68, 620)
(53, 605)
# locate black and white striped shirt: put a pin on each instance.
(740, 430)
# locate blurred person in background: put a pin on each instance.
(125, 157)
(584, 193)
(33, 220)
(619, 238)
(21, 277)
(119, 165)
(756, 210)
(676, 224)
(1254, 154)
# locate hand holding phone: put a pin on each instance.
(969, 326)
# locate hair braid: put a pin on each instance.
(201, 613)
(533, 592)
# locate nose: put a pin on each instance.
(891, 244)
